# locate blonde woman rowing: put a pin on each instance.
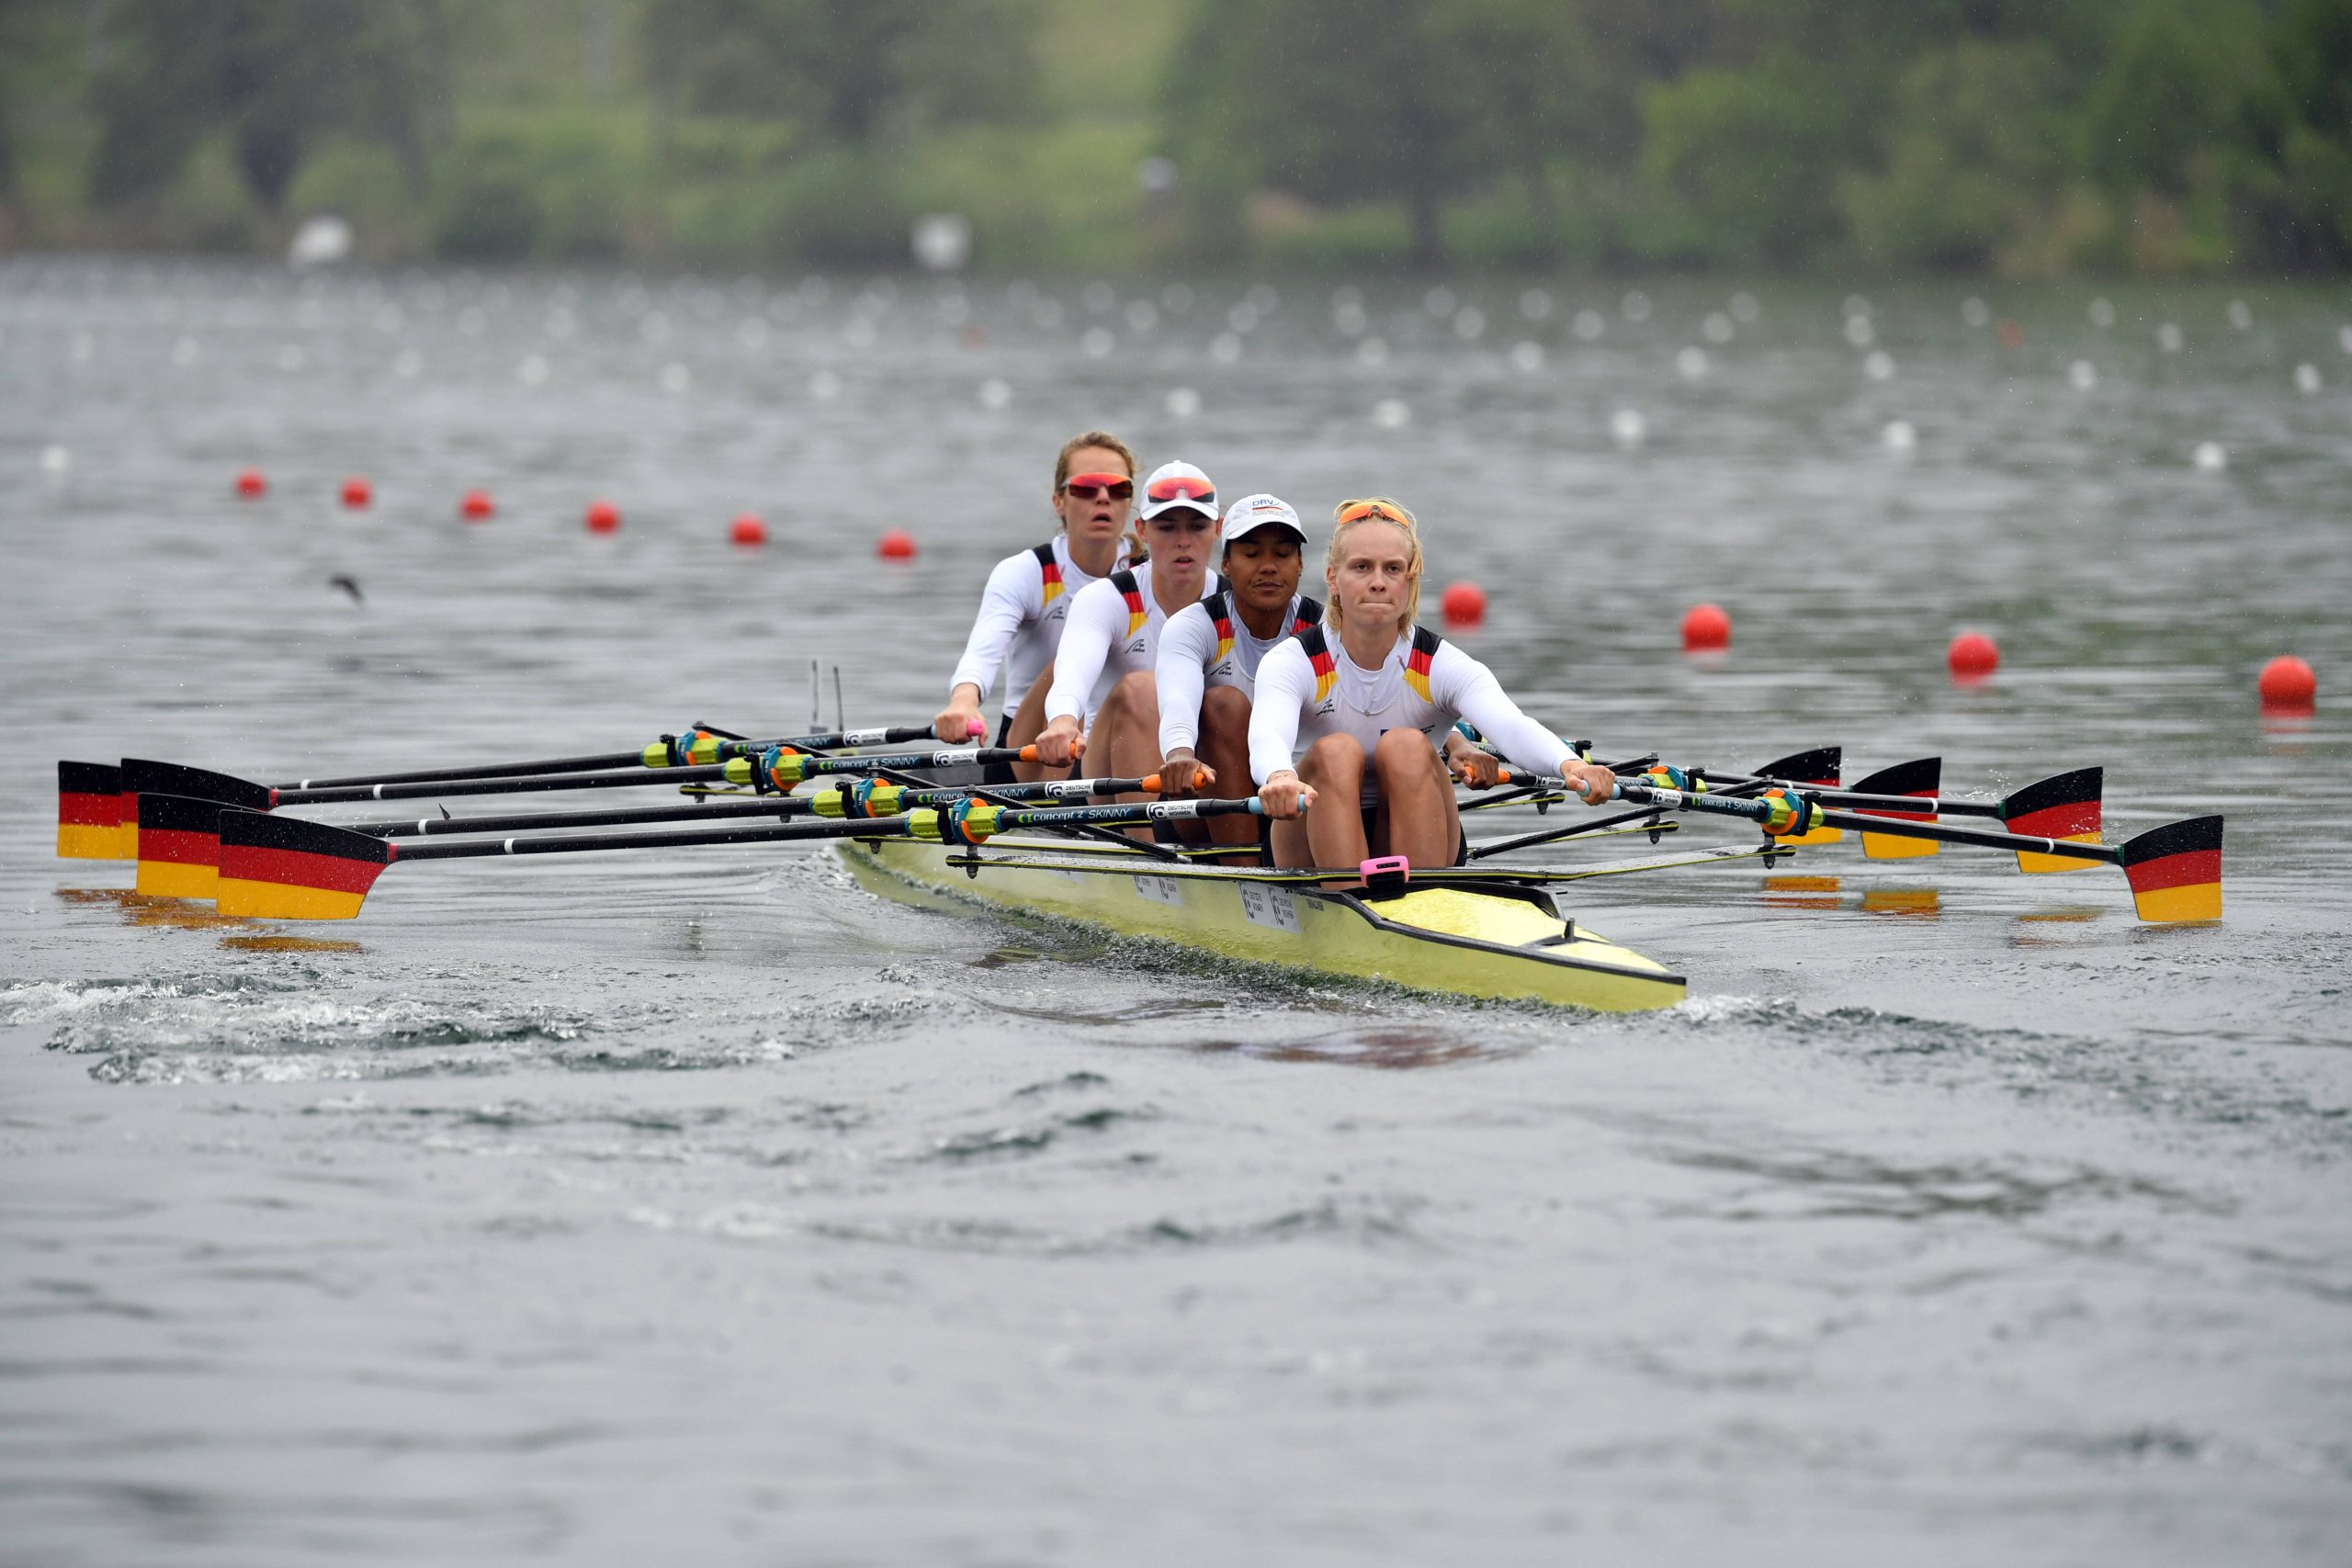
(1354, 712)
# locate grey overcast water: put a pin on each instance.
(714, 1210)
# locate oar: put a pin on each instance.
(89, 829)
(285, 868)
(2175, 870)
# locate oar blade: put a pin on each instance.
(1922, 777)
(179, 846)
(2175, 871)
(281, 868)
(142, 775)
(89, 813)
(1816, 769)
(2065, 806)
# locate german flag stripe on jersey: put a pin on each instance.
(284, 868)
(179, 846)
(1049, 570)
(1416, 664)
(1816, 769)
(2175, 871)
(1132, 591)
(1310, 615)
(1221, 612)
(1920, 778)
(89, 811)
(2066, 805)
(1318, 657)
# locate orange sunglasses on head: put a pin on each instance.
(1357, 511)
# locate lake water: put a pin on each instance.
(713, 1210)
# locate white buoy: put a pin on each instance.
(1527, 356)
(1391, 413)
(1589, 325)
(2241, 315)
(324, 241)
(184, 352)
(2083, 374)
(1371, 352)
(1182, 403)
(1098, 342)
(1635, 306)
(1535, 304)
(84, 348)
(533, 371)
(1224, 348)
(1898, 436)
(1974, 312)
(2102, 312)
(290, 357)
(1691, 362)
(1440, 301)
(824, 386)
(1242, 317)
(1628, 428)
(558, 324)
(2344, 338)
(1859, 331)
(2210, 458)
(1744, 307)
(676, 377)
(1348, 319)
(943, 242)
(408, 363)
(1142, 315)
(1716, 327)
(56, 460)
(996, 394)
(752, 331)
(2307, 379)
(1879, 365)
(2169, 338)
(1099, 297)
(1469, 322)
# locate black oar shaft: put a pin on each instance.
(1856, 800)
(1983, 838)
(896, 735)
(517, 785)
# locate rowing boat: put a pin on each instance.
(1491, 935)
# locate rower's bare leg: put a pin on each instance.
(1224, 745)
(1027, 720)
(1418, 819)
(1332, 833)
(1125, 741)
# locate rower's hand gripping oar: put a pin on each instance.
(2175, 870)
(286, 868)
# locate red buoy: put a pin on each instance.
(475, 506)
(1972, 656)
(749, 530)
(604, 517)
(251, 485)
(1465, 603)
(896, 545)
(2288, 682)
(358, 491)
(1705, 629)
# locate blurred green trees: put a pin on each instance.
(2021, 136)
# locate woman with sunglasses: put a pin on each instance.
(1029, 594)
(1103, 706)
(1371, 696)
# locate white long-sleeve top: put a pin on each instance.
(1113, 631)
(1019, 624)
(1209, 644)
(1426, 683)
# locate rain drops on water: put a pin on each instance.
(1879, 365)
(2307, 379)
(676, 377)
(2210, 458)
(533, 371)
(1224, 348)
(2102, 312)
(824, 386)
(2169, 338)
(1371, 352)
(1391, 413)
(1691, 362)
(1628, 428)
(1974, 312)
(1527, 356)
(1898, 436)
(1097, 343)
(1589, 325)
(996, 393)
(1182, 403)
(1716, 328)
(2083, 374)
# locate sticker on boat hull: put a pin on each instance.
(1269, 907)
(1160, 890)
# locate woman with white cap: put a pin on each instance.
(1207, 668)
(1028, 595)
(1351, 715)
(1104, 705)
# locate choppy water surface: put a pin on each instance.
(716, 1209)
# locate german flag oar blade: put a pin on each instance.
(1922, 777)
(2065, 806)
(140, 776)
(280, 868)
(2175, 871)
(179, 846)
(1816, 769)
(89, 812)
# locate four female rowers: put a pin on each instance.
(1162, 666)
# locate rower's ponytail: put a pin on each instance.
(1374, 509)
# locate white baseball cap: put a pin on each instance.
(1252, 512)
(1172, 485)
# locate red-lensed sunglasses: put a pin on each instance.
(1098, 486)
(1182, 488)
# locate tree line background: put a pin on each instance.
(2023, 137)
